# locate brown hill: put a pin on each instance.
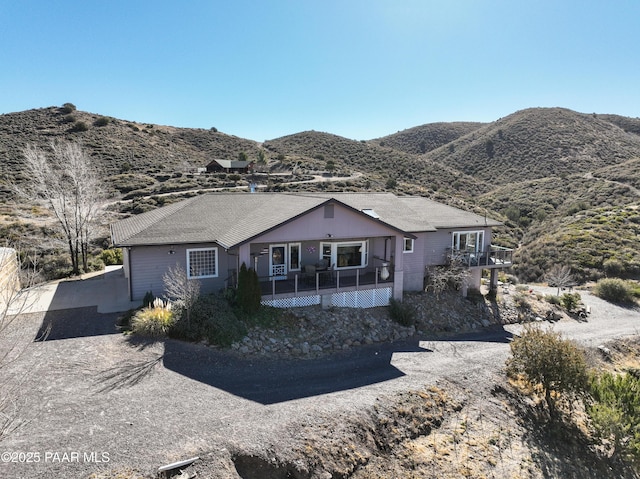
(422, 139)
(117, 145)
(535, 169)
(384, 167)
(539, 143)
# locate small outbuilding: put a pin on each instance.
(229, 166)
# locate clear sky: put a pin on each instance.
(362, 69)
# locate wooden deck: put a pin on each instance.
(323, 282)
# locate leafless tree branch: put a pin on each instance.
(70, 186)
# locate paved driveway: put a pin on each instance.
(106, 290)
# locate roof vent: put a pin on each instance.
(370, 212)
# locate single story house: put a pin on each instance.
(341, 249)
(229, 166)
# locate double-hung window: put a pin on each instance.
(202, 263)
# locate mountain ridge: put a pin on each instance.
(534, 169)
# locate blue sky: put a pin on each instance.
(359, 69)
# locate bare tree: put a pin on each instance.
(560, 277)
(70, 186)
(18, 274)
(181, 290)
(454, 275)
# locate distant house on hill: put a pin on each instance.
(229, 166)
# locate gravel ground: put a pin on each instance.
(94, 402)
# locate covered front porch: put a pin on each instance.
(328, 272)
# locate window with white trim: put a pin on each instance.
(469, 241)
(347, 254)
(408, 245)
(294, 256)
(202, 263)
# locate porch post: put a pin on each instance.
(398, 267)
(493, 282)
(244, 256)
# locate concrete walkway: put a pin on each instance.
(107, 290)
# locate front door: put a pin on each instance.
(278, 261)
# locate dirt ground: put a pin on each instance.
(430, 407)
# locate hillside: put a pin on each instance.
(543, 171)
(539, 143)
(422, 139)
(383, 167)
(117, 145)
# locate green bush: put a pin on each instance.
(79, 126)
(614, 290)
(102, 121)
(570, 301)
(153, 321)
(111, 256)
(401, 313)
(552, 299)
(249, 295)
(68, 108)
(615, 412)
(213, 319)
(543, 358)
(522, 302)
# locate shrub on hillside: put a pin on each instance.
(570, 301)
(213, 319)
(401, 313)
(614, 290)
(102, 121)
(153, 321)
(543, 359)
(79, 126)
(111, 256)
(68, 108)
(615, 412)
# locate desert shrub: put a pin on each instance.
(95, 264)
(401, 313)
(615, 412)
(79, 126)
(613, 267)
(213, 319)
(545, 360)
(154, 320)
(522, 302)
(552, 299)
(570, 301)
(102, 121)
(614, 290)
(68, 108)
(111, 256)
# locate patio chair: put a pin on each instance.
(309, 274)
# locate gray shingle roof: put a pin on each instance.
(230, 219)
